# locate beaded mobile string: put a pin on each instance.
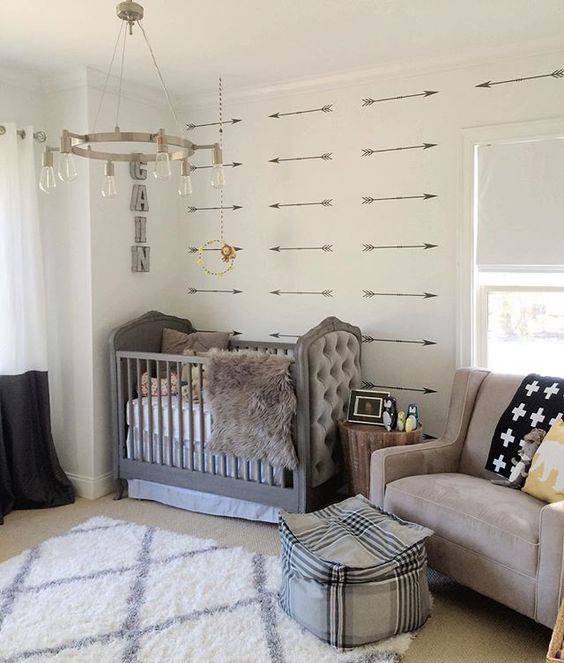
(228, 253)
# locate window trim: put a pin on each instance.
(467, 274)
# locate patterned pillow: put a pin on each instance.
(155, 385)
(546, 476)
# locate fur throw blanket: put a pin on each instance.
(252, 401)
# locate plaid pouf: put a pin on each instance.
(353, 574)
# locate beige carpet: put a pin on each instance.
(465, 627)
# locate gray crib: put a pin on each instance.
(161, 437)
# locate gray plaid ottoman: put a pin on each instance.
(353, 574)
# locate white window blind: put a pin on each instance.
(520, 201)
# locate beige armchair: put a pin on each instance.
(499, 541)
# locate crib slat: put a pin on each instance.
(190, 419)
(180, 413)
(269, 474)
(141, 420)
(202, 418)
(150, 411)
(160, 413)
(131, 431)
(169, 398)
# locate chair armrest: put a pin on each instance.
(442, 455)
(550, 578)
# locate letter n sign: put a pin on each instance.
(140, 258)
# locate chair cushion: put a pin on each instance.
(499, 523)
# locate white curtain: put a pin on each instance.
(22, 294)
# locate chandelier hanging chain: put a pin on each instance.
(108, 73)
(220, 100)
(118, 105)
(159, 73)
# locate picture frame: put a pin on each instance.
(366, 406)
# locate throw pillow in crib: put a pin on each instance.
(174, 342)
(155, 385)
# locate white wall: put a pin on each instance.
(348, 224)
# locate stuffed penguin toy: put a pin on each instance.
(412, 420)
(390, 416)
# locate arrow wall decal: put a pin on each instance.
(215, 331)
(193, 291)
(324, 203)
(328, 248)
(426, 93)
(557, 73)
(324, 293)
(279, 335)
(191, 126)
(326, 156)
(233, 164)
(370, 339)
(424, 390)
(195, 249)
(423, 146)
(206, 209)
(373, 247)
(328, 108)
(370, 293)
(367, 200)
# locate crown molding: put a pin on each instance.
(405, 69)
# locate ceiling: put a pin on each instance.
(257, 43)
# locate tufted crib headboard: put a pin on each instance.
(327, 368)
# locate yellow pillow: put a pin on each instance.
(546, 476)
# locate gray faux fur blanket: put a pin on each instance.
(252, 401)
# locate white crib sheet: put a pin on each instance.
(202, 461)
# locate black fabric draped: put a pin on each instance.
(30, 474)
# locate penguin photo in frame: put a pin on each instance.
(366, 406)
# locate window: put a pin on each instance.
(519, 256)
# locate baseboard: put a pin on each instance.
(91, 487)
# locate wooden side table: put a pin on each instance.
(358, 441)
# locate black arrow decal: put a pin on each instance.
(373, 247)
(195, 249)
(279, 335)
(370, 339)
(324, 203)
(426, 93)
(367, 200)
(326, 156)
(324, 293)
(233, 164)
(328, 248)
(206, 209)
(328, 108)
(193, 291)
(215, 331)
(424, 390)
(423, 146)
(191, 126)
(424, 295)
(557, 73)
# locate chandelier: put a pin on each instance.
(95, 145)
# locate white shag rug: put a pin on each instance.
(110, 591)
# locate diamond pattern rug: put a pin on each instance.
(109, 591)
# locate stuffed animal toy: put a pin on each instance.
(412, 420)
(401, 421)
(529, 444)
(390, 416)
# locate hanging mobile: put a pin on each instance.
(228, 253)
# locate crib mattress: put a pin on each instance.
(188, 452)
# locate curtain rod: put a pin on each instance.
(39, 136)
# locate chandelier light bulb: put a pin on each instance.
(185, 184)
(47, 175)
(67, 167)
(162, 166)
(109, 189)
(218, 176)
